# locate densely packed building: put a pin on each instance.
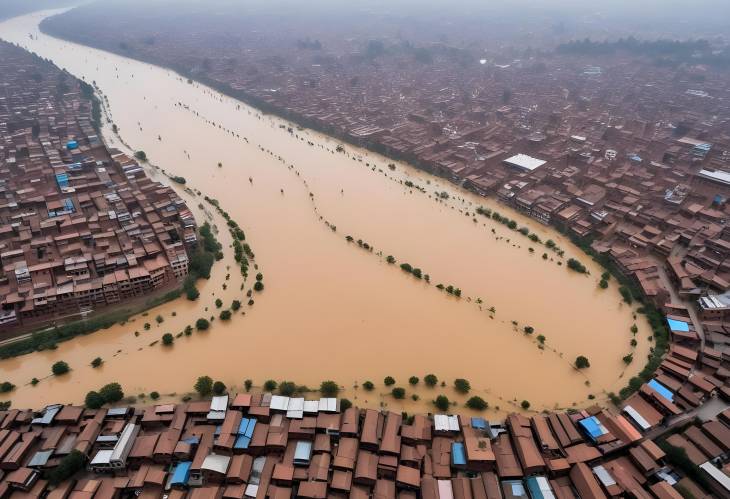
(81, 226)
(264, 445)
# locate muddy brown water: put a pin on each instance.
(331, 310)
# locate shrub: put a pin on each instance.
(368, 385)
(111, 392)
(477, 403)
(202, 324)
(97, 362)
(575, 265)
(60, 368)
(218, 303)
(628, 359)
(442, 402)
(71, 464)
(398, 393)
(167, 339)
(390, 259)
(582, 362)
(154, 395)
(528, 329)
(159, 319)
(247, 384)
(204, 386)
(287, 388)
(626, 294)
(541, 339)
(93, 400)
(235, 305)
(461, 385)
(430, 379)
(389, 381)
(270, 385)
(329, 388)
(413, 380)
(345, 404)
(6, 386)
(225, 315)
(258, 286)
(219, 388)
(525, 404)
(406, 267)
(191, 293)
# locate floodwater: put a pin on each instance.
(330, 309)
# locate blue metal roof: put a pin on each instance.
(303, 451)
(593, 427)
(62, 180)
(678, 325)
(181, 475)
(479, 423)
(246, 427)
(458, 454)
(72, 144)
(661, 390)
(242, 442)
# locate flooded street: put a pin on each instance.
(331, 309)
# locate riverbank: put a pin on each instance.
(333, 309)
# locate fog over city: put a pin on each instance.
(368, 249)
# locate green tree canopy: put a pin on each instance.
(204, 386)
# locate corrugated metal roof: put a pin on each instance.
(458, 454)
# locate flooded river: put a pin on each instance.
(331, 309)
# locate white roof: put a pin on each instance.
(638, 418)
(604, 476)
(328, 404)
(525, 162)
(251, 490)
(716, 474)
(279, 403)
(717, 175)
(295, 409)
(544, 486)
(125, 443)
(311, 406)
(446, 491)
(216, 462)
(443, 422)
(104, 456)
(216, 415)
(219, 403)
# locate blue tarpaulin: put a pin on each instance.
(593, 427)
(181, 475)
(478, 423)
(678, 325)
(72, 144)
(661, 390)
(458, 455)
